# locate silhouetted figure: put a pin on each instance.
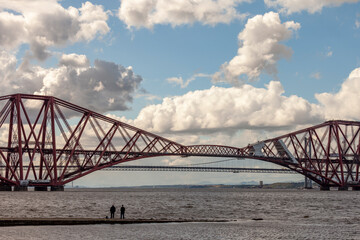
(112, 211)
(122, 212)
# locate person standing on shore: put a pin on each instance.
(122, 212)
(112, 211)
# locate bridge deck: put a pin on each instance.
(199, 169)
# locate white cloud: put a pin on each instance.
(74, 60)
(46, 23)
(357, 23)
(311, 6)
(184, 84)
(103, 87)
(316, 75)
(147, 96)
(227, 115)
(259, 50)
(344, 103)
(227, 108)
(147, 13)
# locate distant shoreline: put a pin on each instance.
(285, 185)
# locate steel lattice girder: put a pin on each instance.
(327, 153)
(45, 135)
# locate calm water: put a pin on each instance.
(286, 214)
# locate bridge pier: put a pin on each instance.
(324, 188)
(5, 188)
(57, 188)
(20, 188)
(308, 183)
(343, 188)
(356, 188)
(41, 188)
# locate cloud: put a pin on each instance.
(74, 60)
(259, 50)
(316, 75)
(227, 108)
(103, 87)
(184, 84)
(200, 116)
(42, 24)
(147, 96)
(329, 52)
(344, 103)
(12, 28)
(147, 13)
(17, 80)
(311, 6)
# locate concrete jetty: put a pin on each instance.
(5, 222)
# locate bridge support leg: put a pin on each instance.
(308, 183)
(356, 188)
(324, 188)
(343, 188)
(5, 188)
(57, 188)
(41, 188)
(20, 188)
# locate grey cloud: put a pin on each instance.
(12, 30)
(103, 87)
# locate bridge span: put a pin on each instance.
(39, 146)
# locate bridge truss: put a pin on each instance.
(46, 141)
(198, 169)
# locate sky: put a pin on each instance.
(227, 72)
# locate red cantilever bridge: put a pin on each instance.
(46, 141)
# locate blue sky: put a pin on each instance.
(261, 67)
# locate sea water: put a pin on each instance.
(252, 213)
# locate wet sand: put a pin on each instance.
(6, 222)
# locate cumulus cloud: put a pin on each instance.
(260, 49)
(12, 28)
(227, 108)
(15, 80)
(344, 103)
(103, 87)
(42, 24)
(311, 6)
(147, 13)
(201, 115)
